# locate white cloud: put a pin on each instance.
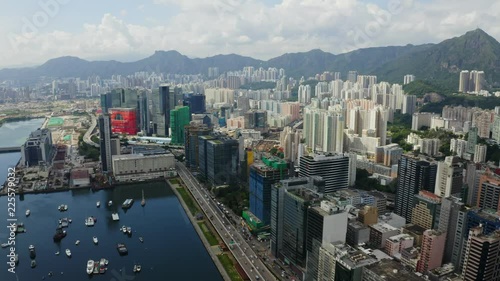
(249, 27)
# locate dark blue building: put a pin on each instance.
(262, 177)
(196, 103)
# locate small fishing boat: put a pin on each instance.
(98, 204)
(95, 240)
(28, 212)
(90, 267)
(33, 264)
(68, 253)
(77, 242)
(141, 239)
(110, 203)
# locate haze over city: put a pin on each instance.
(34, 32)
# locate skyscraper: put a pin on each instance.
(179, 118)
(334, 169)
(262, 176)
(449, 177)
(482, 256)
(426, 208)
(105, 143)
(413, 175)
(463, 86)
(191, 143)
(431, 254)
(161, 111)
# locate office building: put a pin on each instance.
(37, 149)
(105, 143)
(357, 233)
(413, 175)
(472, 140)
(451, 221)
(426, 210)
(191, 143)
(449, 177)
(334, 169)
(338, 261)
(482, 256)
(262, 176)
(143, 111)
(161, 111)
(326, 223)
(196, 103)
(290, 200)
(257, 120)
(380, 232)
(218, 159)
(431, 252)
(489, 191)
(119, 98)
(368, 215)
(179, 118)
(395, 244)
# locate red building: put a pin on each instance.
(123, 120)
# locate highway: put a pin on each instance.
(88, 134)
(251, 264)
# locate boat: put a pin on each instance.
(141, 239)
(124, 229)
(143, 201)
(137, 268)
(129, 230)
(106, 262)
(62, 208)
(77, 242)
(28, 212)
(33, 263)
(110, 203)
(127, 203)
(16, 259)
(115, 217)
(57, 253)
(64, 222)
(89, 221)
(68, 253)
(122, 249)
(95, 240)
(60, 234)
(96, 268)
(32, 251)
(4, 245)
(90, 267)
(98, 204)
(102, 266)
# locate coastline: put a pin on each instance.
(203, 239)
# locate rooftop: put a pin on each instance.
(383, 227)
(392, 270)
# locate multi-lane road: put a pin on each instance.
(246, 257)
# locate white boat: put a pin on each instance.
(98, 204)
(124, 229)
(110, 203)
(115, 216)
(89, 221)
(28, 212)
(137, 268)
(57, 253)
(63, 208)
(4, 245)
(68, 253)
(95, 240)
(90, 267)
(77, 242)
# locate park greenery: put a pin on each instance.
(262, 85)
(87, 151)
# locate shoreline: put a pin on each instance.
(203, 239)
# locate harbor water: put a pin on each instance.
(171, 249)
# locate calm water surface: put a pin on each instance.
(171, 250)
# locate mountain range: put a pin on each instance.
(439, 62)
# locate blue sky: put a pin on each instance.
(128, 30)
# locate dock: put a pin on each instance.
(115, 216)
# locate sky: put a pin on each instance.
(126, 30)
